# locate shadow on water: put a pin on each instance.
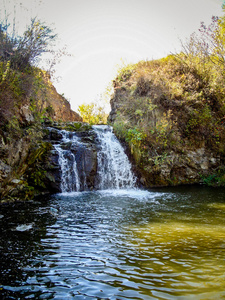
(23, 225)
(115, 244)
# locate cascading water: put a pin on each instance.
(70, 180)
(114, 169)
(97, 164)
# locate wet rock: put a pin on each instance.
(81, 148)
(55, 134)
(66, 145)
(53, 173)
(86, 158)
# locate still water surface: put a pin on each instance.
(121, 244)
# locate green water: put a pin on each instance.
(128, 244)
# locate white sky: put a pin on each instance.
(99, 33)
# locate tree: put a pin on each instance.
(23, 51)
(34, 42)
(93, 113)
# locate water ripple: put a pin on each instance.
(114, 244)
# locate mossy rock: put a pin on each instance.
(39, 153)
(66, 145)
(72, 126)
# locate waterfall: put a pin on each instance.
(70, 180)
(114, 169)
(92, 160)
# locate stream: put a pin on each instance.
(115, 244)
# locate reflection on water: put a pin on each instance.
(123, 244)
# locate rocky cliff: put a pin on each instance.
(172, 120)
(56, 105)
(28, 101)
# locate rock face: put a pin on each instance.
(186, 168)
(58, 106)
(13, 156)
(86, 155)
(63, 161)
(175, 166)
(172, 138)
(73, 160)
(24, 107)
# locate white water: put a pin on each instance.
(70, 178)
(114, 168)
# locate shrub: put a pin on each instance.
(26, 50)
(93, 113)
(135, 136)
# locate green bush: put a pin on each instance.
(215, 179)
(135, 136)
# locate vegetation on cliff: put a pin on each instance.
(171, 112)
(27, 101)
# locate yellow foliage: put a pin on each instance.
(93, 113)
